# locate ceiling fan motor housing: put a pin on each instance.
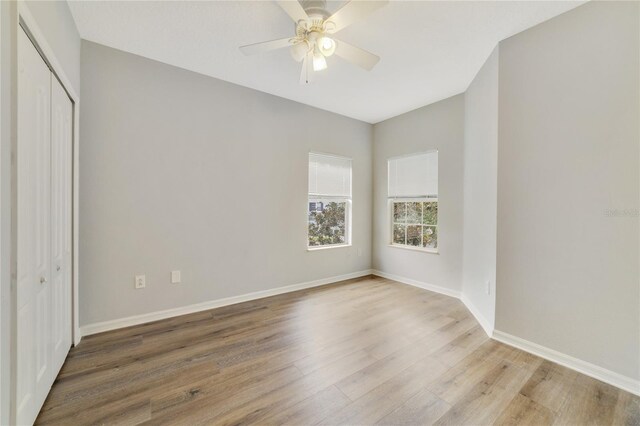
(314, 40)
(315, 8)
(311, 31)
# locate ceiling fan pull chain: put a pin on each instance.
(314, 28)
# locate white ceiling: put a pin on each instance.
(430, 50)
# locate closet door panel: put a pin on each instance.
(33, 226)
(68, 220)
(61, 116)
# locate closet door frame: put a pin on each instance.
(28, 23)
(23, 20)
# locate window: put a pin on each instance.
(415, 223)
(413, 201)
(329, 204)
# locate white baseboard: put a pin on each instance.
(615, 379)
(99, 327)
(419, 284)
(486, 325)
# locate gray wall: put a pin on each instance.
(183, 171)
(567, 272)
(56, 22)
(437, 126)
(480, 189)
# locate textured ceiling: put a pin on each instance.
(429, 50)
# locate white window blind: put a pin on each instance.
(329, 176)
(414, 175)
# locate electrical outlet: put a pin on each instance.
(488, 289)
(175, 277)
(140, 281)
(359, 252)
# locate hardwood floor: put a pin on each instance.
(365, 351)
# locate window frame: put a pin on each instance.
(312, 197)
(411, 198)
(347, 222)
(392, 223)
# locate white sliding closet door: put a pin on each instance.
(43, 230)
(33, 231)
(61, 137)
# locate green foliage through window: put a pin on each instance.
(415, 223)
(327, 222)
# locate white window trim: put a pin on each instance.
(326, 247)
(414, 248)
(347, 225)
(321, 197)
(390, 202)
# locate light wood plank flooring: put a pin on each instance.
(365, 351)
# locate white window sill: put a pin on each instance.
(316, 248)
(422, 249)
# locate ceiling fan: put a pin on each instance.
(314, 28)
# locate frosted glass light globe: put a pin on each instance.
(327, 46)
(299, 50)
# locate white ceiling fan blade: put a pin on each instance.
(356, 56)
(266, 46)
(351, 12)
(306, 73)
(294, 10)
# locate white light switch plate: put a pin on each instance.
(140, 281)
(175, 277)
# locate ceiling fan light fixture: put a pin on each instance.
(319, 61)
(313, 41)
(327, 46)
(299, 50)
